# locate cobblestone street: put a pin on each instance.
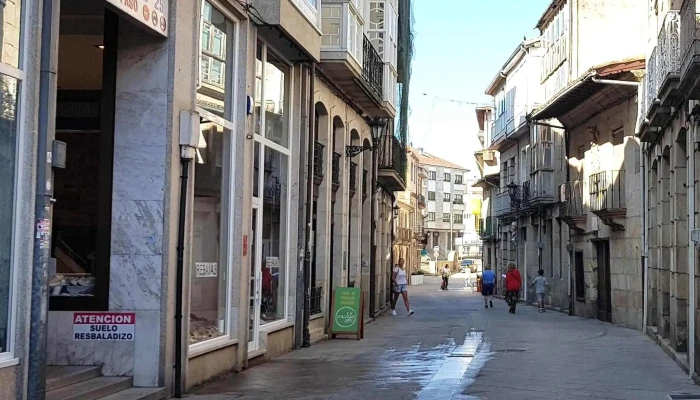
(453, 348)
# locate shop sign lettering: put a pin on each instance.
(206, 270)
(152, 14)
(118, 327)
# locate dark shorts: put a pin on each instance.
(487, 289)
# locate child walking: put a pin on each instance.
(541, 288)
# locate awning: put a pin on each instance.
(585, 88)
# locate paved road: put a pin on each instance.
(453, 348)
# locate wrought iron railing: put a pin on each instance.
(316, 300)
(421, 200)
(353, 178)
(336, 170)
(689, 29)
(669, 59)
(502, 203)
(651, 86)
(520, 196)
(573, 199)
(372, 67)
(487, 227)
(607, 190)
(318, 160)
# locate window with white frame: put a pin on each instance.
(11, 78)
(542, 153)
(211, 268)
(270, 266)
(309, 8)
(377, 24)
(331, 21)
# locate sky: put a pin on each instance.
(460, 45)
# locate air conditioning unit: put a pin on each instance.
(562, 192)
(488, 155)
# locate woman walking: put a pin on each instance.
(513, 284)
(400, 284)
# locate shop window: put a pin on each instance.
(270, 270)
(9, 91)
(10, 174)
(210, 270)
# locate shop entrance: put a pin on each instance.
(81, 229)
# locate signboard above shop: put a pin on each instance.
(151, 14)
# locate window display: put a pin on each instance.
(274, 237)
(210, 284)
(269, 271)
(9, 88)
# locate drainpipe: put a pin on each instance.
(614, 82)
(186, 158)
(36, 361)
(309, 207)
(374, 193)
(645, 244)
(691, 246)
(570, 246)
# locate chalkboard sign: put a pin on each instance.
(347, 317)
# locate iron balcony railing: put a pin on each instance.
(502, 203)
(689, 29)
(353, 178)
(318, 160)
(458, 201)
(607, 190)
(421, 200)
(393, 155)
(664, 63)
(336, 170)
(572, 206)
(520, 196)
(316, 300)
(487, 227)
(372, 67)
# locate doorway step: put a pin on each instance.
(87, 383)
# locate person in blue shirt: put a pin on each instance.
(488, 278)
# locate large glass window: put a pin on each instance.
(10, 92)
(269, 275)
(210, 272)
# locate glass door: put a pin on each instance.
(255, 286)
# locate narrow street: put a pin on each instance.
(453, 348)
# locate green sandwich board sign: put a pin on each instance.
(347, 315)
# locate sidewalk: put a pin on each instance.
(453, 348)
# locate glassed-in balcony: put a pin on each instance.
(349, 59)
(662, 78)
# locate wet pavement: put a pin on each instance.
(453, 348)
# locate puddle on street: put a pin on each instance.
(458, 370)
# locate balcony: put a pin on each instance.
(662, 78)
(336, 171)
(353, 178)
(488, 229)
(607, 191)
(403, 236)
(300, 21)
(571, 211)
(318, 163)
(502, 203)
(349, 59)
(392, 164)
(690, 49)
(421, 201)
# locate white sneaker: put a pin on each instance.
(411, 312)
(393, 312)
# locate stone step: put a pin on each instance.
(93, 389)
(138, 394)
(62, 376)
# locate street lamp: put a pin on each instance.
(396, 211)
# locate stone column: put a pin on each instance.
(679, 260)
(140, 151)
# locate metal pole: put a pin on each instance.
(36, 363)
(691, 137)
(309, 208)
(372, 218)
(180, 276)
